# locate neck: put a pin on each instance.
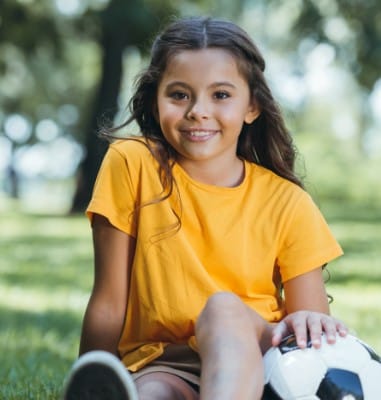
(213, 172)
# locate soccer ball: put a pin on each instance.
(346, 370)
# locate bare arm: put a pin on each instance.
(306, 292)
(307, 311)
(104, 317)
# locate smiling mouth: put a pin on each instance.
(200, 133)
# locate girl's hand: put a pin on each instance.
(308, 323)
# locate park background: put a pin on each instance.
(67, 65)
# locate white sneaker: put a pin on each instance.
(99, 375)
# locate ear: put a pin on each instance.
(252, 114)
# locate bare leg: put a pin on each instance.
(164, 386)
(231, 339)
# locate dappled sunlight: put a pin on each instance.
(46, 269)
(360, 310)
(322, 65)
(23, 298)
(41, 346)
(316, 67)
(58, 158)
(18, 128)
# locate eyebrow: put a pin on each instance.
(223, 83)
(213, 85)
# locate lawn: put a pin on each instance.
(45, 269)
(46, 275)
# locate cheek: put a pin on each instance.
(169, 116)
(232, 114)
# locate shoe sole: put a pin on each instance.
(98, 375)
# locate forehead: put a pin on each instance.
(202, 63)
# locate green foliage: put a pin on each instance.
(49, 59)
(30, 26)
(335, 170)
(40, 64)
(341, 23)
(46, 270)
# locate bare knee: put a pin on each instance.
(222, 306)
(163, 386)
(224, 310)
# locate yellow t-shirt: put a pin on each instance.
(245, 239)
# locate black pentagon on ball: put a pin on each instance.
(269, 394)
(339, 383)
(373, 355)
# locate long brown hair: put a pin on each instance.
(266, 141)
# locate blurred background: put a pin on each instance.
(68, 65)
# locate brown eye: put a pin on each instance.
(179, 95)
(221, 95)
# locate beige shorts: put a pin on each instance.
(179, 360)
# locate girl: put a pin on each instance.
(207, 248)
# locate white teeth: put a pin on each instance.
(199, 133)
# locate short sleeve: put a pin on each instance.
(307, 240)
(114, 194)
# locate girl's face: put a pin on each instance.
(202, 102)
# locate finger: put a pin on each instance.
(341, 328)
(314, 325)
(333, 326)
(297, 323)
(299, 327)
(279, 332)
(329, 325)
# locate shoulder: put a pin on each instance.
(133, 151)
(291, 205)
(271, 185)
(131, 146)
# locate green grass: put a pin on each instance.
(356, 277)
(46, 275)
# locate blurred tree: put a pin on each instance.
(53, 54)
(22, 33)
(41, 75)
(49, 59)
(121, 25)
(38, 28)
(353, 28)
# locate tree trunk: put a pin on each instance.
(104, 109)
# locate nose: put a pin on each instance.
(198, 110)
